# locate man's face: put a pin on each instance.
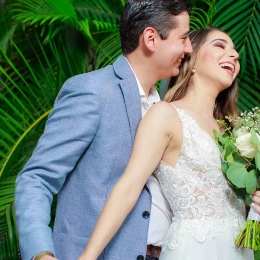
(170, 52)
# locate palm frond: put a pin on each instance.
(108, 50)
(29, 87)
(43, 11)
(8, 232)
(249, 89)
(7, 28)
(89, 17)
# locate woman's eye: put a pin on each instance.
(220, 45)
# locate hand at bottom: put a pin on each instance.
(256, 199)
(48, 257)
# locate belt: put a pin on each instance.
(153, 251)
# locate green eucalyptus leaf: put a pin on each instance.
(238, 159)
(257, 159)
(254, 137)
(223, 137)
(248, 199)
(230, 158)
(221, 149)
(230, 148)
(237, 174)
(251, 181)
(224, 167)
(230, 144)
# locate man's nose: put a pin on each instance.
(188, 48)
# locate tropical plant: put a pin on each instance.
(44, 42)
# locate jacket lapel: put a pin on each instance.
(130, 93)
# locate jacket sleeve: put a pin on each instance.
(69, 130)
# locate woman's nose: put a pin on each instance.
(234, 54)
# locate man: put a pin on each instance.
(88, 140)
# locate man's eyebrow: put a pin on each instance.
(225, 41)
(185, 34)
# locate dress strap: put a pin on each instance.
(179, 112)
(173, 106)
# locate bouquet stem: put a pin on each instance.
(249, 236)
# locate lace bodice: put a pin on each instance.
(202, 202)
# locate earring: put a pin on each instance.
(193, 70)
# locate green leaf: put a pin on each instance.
(248, 199)
(230, 158)
(215, 133)
(251, 181)
(254, 137)
(230, 147)
(224, 167)
(257, 159)
(223, 137)
(237, 175)
(238, 159)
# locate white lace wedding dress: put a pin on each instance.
(207, 214)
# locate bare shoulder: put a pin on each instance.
(164, 116)
(164, 109)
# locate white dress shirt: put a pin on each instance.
(161, 214)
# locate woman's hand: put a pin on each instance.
(256, 199)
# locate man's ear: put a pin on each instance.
(150, 36)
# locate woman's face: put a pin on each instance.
(217, 60)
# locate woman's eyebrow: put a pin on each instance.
(225, 41)
(222, 40)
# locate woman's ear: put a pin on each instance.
(150, 36)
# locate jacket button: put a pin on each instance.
(140, 257)
(146, 214)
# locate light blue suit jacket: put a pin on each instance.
(84, 150)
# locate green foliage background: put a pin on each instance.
(44, 42)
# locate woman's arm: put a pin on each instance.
(256, 199)
(153, 137)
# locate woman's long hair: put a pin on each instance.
(225, 104)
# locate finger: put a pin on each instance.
(255, 198)
(257, 193)
(256, 207)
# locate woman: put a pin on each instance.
(175, 141)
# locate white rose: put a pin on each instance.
(241, 131)
(245, 145)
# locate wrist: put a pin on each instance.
(42, 254)
(88, 255)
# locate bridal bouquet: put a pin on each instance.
(240, 150)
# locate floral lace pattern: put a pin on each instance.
(200, 198)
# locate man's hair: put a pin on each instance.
(140, 14)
